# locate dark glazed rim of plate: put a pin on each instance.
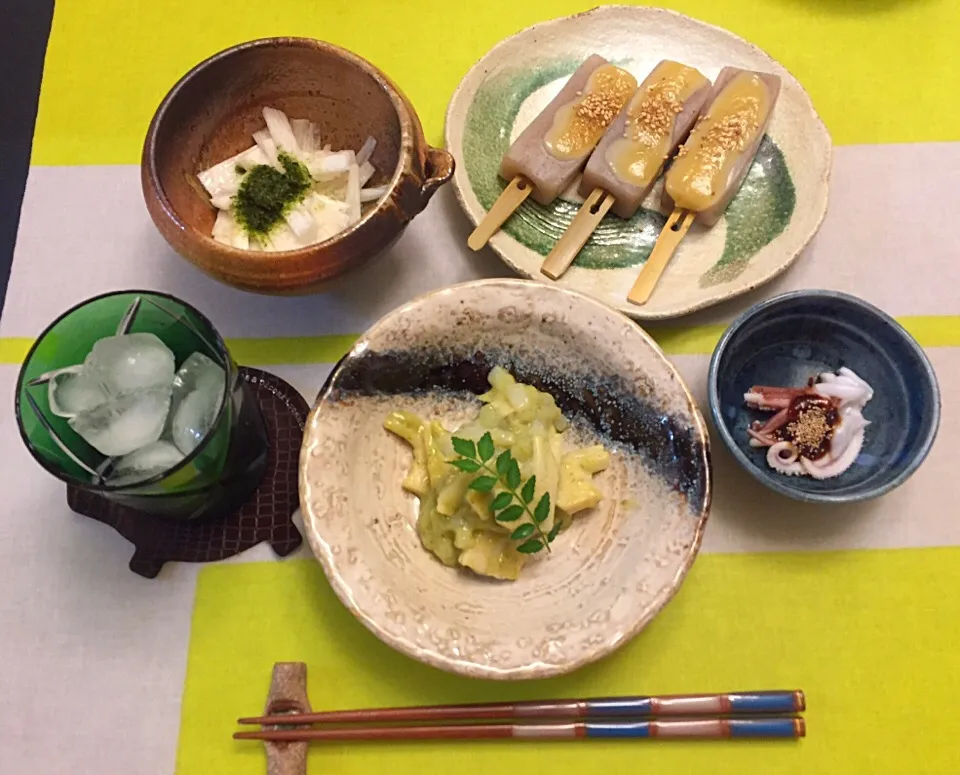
(463, 666)
(843, 299)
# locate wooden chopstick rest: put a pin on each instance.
(288, 695)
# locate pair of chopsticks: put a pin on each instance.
(765, 714)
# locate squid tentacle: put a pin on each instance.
(848, 393)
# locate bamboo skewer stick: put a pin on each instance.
(578, 232)
(678, 224)
(689, 729)
(509, 200)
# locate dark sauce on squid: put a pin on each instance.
(811, 420)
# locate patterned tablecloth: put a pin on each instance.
(106, 672)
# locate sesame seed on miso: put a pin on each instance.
(578, 126)
(697, 180)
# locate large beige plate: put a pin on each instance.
(776, 213)
(607, 575)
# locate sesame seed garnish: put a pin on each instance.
(654, 116)
(611, 87)
(723, 136)
(812, 427)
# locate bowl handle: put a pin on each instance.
(438, 170)
(415, 191)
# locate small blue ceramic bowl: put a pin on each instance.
(788, 339)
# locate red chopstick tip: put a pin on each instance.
(801, 700)
(800, 725)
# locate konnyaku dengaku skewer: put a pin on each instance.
(629, 158)
(549, 153)
(711, 165)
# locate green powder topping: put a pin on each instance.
(266, 194)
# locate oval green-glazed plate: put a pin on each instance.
(767, 225)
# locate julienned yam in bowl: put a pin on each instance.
(789, 339)
(211, 114)
(608, 573)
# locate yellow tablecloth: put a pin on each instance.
(864, 615)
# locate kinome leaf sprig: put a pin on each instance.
(514, 500)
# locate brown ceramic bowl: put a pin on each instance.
(211, 114)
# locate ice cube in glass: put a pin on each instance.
(130, 362)
(125, 423)
(71, 391)
(198, 390)
(148, 461)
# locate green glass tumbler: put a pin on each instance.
(217, 476)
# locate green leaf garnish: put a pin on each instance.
(529, 489)
(513, 501)
(511, 514)
(485, 447)
(531, 547)
(513, 475)
(503, 463)
(483, 483)
(464, 448)
(554, 531)
(543, 508)
(524, 531)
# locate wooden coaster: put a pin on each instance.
(266, 516)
